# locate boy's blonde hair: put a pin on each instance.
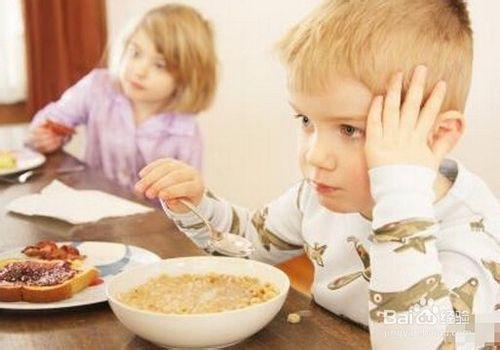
(370, 40)
(185, 39)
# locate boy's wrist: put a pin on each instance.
(401, 178)
(401, 192)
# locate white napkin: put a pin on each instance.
(62, 202)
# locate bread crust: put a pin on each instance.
(43, 294)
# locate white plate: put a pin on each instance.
(26, 159)
(109, 258)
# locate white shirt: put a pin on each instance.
(452, 244)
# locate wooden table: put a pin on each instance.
(95, 326)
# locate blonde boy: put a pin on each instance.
(402, 239)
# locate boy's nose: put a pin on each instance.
(321, 154)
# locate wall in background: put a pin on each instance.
(480, 147)
(249, 135)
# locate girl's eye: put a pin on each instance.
(133, 52)
(351, 131)
(160, 65)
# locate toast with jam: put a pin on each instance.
(41, 281)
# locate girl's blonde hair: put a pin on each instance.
(185, 39)
(370, 40)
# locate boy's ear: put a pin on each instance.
(447, 131)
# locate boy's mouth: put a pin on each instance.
(324, 189)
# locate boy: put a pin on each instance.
(402, 239)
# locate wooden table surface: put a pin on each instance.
(95, 326)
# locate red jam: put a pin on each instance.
(34, 273)
(96, 282)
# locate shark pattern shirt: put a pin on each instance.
(407, 275)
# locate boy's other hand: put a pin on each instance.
(402, 133)
(45, 140)
(169, 179)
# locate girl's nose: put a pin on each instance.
(141, 68)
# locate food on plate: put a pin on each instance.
(48, 250)
(41, 281)
(58, 128)
(198, 293)
(7, 160)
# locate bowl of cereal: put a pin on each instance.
(198, 302)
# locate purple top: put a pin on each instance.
(114, 143)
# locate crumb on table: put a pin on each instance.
(293, 318)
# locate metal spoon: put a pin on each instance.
(25, 176)
(225, 243)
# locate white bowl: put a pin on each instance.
(197, 330)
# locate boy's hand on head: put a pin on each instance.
(401, 133)
(44, 140)
(169, 179)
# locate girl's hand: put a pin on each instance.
(169, 179)
(401, 134)
(44, 140)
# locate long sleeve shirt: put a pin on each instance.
(114, 143)
(417, 269)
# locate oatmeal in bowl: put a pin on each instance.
(198, 301)
(198, 293)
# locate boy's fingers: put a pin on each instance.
(374, 120)
(392, 105)
(413, 101)
(431, 110)
(176, 206)
(185, 189)
(171, 179)
(144, 171)
(154, 174)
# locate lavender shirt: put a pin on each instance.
(114, 143)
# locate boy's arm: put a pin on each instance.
(415, 289)
(275, 230)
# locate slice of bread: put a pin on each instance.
(18, 289)
(7, 160)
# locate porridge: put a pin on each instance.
(198, 293)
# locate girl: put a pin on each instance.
(162, 73)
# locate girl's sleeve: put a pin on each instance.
(274, 230)
(72, 108)
(191, 150)
(422, 296)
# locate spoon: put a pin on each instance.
(225, 243)
(25, 176)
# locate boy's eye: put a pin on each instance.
(304, 119)
(351, 131)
